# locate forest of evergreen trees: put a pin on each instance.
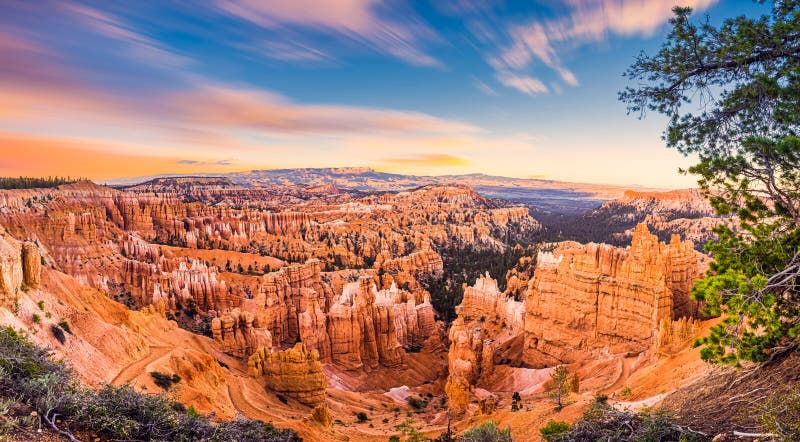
(463, 264)
(23, 182)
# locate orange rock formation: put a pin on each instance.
(594, 298)
(584, 301)
(295, 372)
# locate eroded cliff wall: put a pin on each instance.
(592, 298)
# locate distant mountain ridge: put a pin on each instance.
(685, 211)
(545, 195)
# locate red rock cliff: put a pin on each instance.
(594, 298)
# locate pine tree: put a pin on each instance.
(743, 75)
(560, 386)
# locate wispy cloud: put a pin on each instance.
(244, 108)
(584, 22)
(186, 162)
(483, 87)
(523, 83)
(594, 19)
(428, 160)
(37, 85)
(292, 51)
(141, 46)
(363, 21)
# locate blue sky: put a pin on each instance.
(515, 88)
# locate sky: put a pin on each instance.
(111, 89)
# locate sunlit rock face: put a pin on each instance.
(464, 363)
(486, 317)
(584, 302)
(237, 335)
(31, 265)
(594, 298)
(11, 270)
(20, 268)
(295, 372)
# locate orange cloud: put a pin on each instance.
(428, 160)
(43, 156)
(591, 19)
(38, 87)
(241, 108)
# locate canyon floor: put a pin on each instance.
(321, 309)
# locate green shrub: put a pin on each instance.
(486, 432)
(65, 326)
(515, 401)
(164, 380)
(553, 429)
(36, 318)
(779, 414)
(29, 375)
(604, 422)
(411, 433)
(361, 416)
(58, 334)
(417, 403)
(41, 305)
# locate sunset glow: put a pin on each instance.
(121, 90)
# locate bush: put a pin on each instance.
(553, 429)
(416, 403)
(515, 401)
(361, 416)
(486, 432)
(603, 422)
(412, 434)
(164, 380)
(780, 414)
(65, 326)
(29, 375)
(36, 318)
(58, 334)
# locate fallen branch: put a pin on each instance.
(753, 435)
(52, 422)
(694, 431)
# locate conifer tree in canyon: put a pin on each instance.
(732, 96)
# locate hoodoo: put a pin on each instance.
(585, 299)
(295, 372)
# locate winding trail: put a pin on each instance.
(135, 368)
(243, 404)
(625, 373)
